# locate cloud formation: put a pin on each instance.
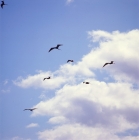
(99, 110)
(119, 47)
(32, 125)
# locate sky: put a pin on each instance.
(92, 32)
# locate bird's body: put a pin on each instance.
(46, 78)
(112, 62)
(2, 4)
(70, 61)
(57, 47)
(31, 109)
(86, 82)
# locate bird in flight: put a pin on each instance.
(112, 62)
(86, 82)
(69, 61)
(2, 3)
(31, 109)
(46, 78)
(57, 47)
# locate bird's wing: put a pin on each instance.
(26, 109)
(59, 45)
(68, 61)
(1, 5)
(51, 49)
(105, 64)
(34, 108)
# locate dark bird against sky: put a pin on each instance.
(70, 61)
(57, 47)
(31, 109)
(47, 78)
(112, 62)
(2, 4)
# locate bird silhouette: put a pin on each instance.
(2, 3)
(57, 47)
(46, 78)
(31, 109)
(112, 62)
(86, 82)
(69, 61)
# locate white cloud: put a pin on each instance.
(66, 74)
(119, 47)
(80, 132)
(99, 110)
(32, 125)
(82, 99)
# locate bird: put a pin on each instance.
(69, 61)
(31, 109)
(2, 3)
(112, 62)
(86, 82)
(57, 47)
(47, 78)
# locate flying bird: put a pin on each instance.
(112, 62)
(86, 82)
(69, 61)
(57, 47)
(46, 78)
(31, 109)
(2, 3)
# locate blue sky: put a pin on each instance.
(92, 32)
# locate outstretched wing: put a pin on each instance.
(44, 79)
(26, 109)
(59, 45)
(105, 64)
(34, 108)
(51, 49)
(1, 5)
(68, 61)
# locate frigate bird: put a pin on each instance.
(47, 78)
(69, 61)
(112, 62)
(57, 47)
(86, 82)
(31, 109)
(2, 3)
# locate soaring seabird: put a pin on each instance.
(69, 61)
(31, 109)
(112, 62)
(2, 3)
(47, 78)
(57, 47)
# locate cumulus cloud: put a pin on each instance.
(32, 125)
(119, 47)
(80, 132)
(99, 110)
(66, 74)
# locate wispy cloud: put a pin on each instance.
(69, 1)
(19, 138)
(32, 125)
